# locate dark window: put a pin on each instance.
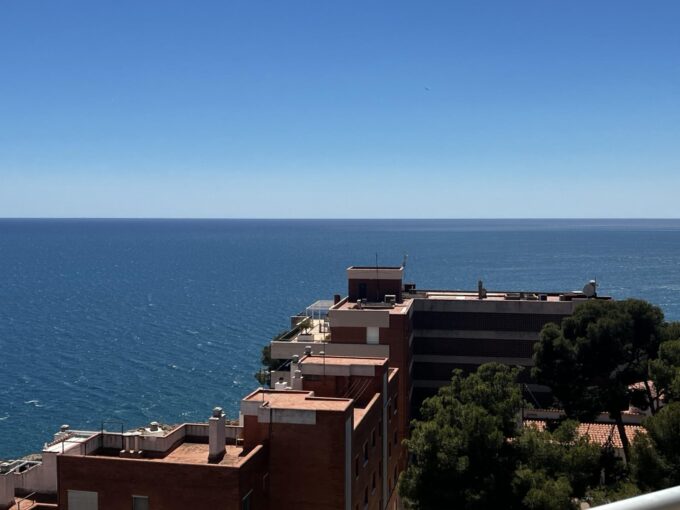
(366, 496)
(356, 467)
(373, 438)
(395, 437)
(140, 503)
(477, 321)
(380, 428)
(373, 483)
(365, 452)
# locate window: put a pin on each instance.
(245, 502)
(373, 438)
(380, 428)
(395, 437)
(356, 467)
(265, 482)
(373, 483)
(365, 452)
(372, 335)
(140, 503)
(366, 496)
(83, 500)
(396, 403)
(363, 291)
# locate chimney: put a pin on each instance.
(297, 380)
(295, 373)
(216, 435)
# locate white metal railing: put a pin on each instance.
(667, 499)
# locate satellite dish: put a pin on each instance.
(590, 289)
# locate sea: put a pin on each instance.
(116, 323)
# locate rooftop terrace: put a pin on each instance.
(297, 400)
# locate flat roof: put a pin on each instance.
(197, 453)
(463, 295)
(300, 400)
(343, 360)
(396, 308)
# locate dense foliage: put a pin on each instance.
(599, 358)
(459, 450)
(468, 450)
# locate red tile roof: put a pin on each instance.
(600, 433)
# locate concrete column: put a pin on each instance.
(216, 435)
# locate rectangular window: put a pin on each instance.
(395, 437)
(365, 452)
(140, 503)
(265, 482)
(83, 500)
(372, 335)
(373, 483)
(396, 403)
(356, 467)
(373, 438)
(380, 428)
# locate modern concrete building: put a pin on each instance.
(427, 334)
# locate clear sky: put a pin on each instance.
(287, 108)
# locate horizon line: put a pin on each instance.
(376, 218)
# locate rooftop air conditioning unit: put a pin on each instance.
(390, 298)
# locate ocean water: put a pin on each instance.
(129, 321)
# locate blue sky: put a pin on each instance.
(454, 109)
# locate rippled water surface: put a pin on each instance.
(139, 320)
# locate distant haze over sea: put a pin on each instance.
(129, 321)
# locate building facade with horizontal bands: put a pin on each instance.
(427, 334)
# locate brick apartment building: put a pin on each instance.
(329, 442)
(329, 434)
